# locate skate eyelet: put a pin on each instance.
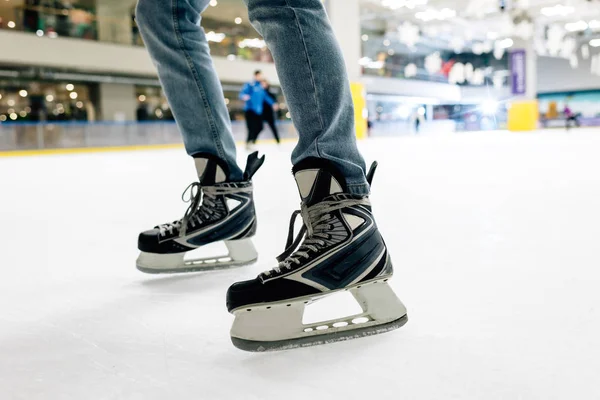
(249, 309)
(269, 307)
(289, 305)
(360, 320)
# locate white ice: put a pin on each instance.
(494, 237)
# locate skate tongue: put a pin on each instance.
(318, 181)
(252, 165)
(211, 169)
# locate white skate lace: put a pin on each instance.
(203, 200)
(318, 223)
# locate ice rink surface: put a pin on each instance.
(494, 237)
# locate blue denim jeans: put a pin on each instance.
(309, 64)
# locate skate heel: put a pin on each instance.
(261, 328)
(242, 251)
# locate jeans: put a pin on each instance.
(309, 64)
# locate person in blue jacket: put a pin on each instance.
(254, 94)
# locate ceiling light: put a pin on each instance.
(213, 3)
(73, 95)
(23, 93)
(576, 26)
(364, 38)
(505, 43)
(595, 42)
(594, 24)
(557, 10)
(39, 32)
(215, 37)
(396, 4)
(252, 43)
(70, 87)
(11, 24)
(238, 20)
(432, 14)
(49, 98)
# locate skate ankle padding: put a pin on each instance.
(211, 169)
(317, 179)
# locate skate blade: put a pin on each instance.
(327, 338)
(241, 252)
(279, 325)
(206, 264)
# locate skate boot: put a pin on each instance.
(219, 211)
(342, 250)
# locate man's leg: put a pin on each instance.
(313, 77)
(172, 33)
(249, 126)
(339, 246)
(221, 202)
(258, 126)
(270, 118)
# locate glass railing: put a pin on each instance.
(66, 135)
(226, 40)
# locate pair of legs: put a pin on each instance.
(269, 118)
(575, 120)
(254, 124)
(309, 63)
(339, 246)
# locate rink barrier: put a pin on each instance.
(21, 139)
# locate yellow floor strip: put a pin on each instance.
(83, 150)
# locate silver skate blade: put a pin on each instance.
(207, 264)
(309, 341)
(241, 252)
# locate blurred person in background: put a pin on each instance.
(570, 116)
(270, 110)
(339, 247)
(255, 96)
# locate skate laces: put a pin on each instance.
(203, 203)
(316, 229)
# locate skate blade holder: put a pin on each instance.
(279, 326)
(240, 252)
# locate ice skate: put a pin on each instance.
(220, 210)
(342, 251)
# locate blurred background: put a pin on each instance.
(76, 74)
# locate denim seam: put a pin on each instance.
(312, 77)
(213, 128)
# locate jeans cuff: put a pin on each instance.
(360, 189)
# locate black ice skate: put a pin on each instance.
(342, 250)
(219, 211)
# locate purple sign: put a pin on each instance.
(518, 72)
